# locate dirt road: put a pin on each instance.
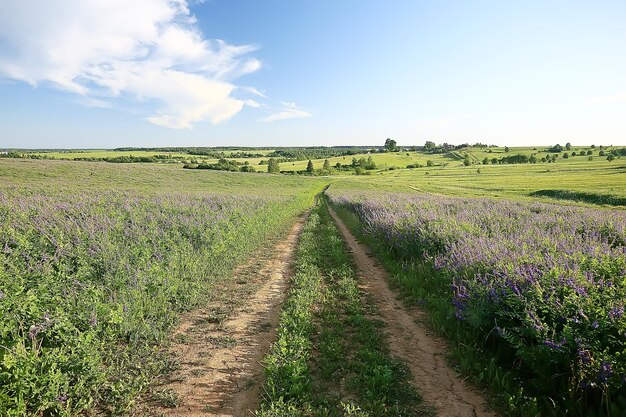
(219, 352)
(413, 343)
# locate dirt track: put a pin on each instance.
(411, 341)
(220, 371)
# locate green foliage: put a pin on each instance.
(390, 145)
(325, 337)
(273, 166)
(91, 282)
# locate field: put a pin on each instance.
(109, 271)
(509, 181)
(98, 262)
(384, 161)
(534, 293)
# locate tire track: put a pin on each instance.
(421, 351)
(220, 372)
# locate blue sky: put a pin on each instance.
(297, 73)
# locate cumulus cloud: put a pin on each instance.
(150, 51)
(287, 111)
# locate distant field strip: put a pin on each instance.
(586, 197)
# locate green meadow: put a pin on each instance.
(99, 260)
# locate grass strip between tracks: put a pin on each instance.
(330, 357)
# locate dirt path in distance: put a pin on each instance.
(424, 353)
(219, 352)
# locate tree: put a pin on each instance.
(506, 149)
(272, 166)
(610, 158)
(390, 145)
(327, 165)
(430, 145)
(568, 146)
(467, 161)
(309, 167)
(338, 165)
(485, 161)
(429, 163)
(367, 164)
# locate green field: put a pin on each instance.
(98, 261)
(509, 181)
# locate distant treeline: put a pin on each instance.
(286, 154)
(224, 165)
(123, 159)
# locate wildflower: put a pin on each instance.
(584, 356)
(34, 331)
(616, 312)
(605, 372)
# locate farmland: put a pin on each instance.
(519, 267)
(94, 274)
(537, 289)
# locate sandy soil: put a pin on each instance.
(424, 353)
(219, 353)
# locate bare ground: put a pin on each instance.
(219, 348)
(424, 353)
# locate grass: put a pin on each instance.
(502, 181)
(153, 179)
(93, 274)
(79, 241)
(330, 357)
(476, 301)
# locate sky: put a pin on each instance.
(105, 74)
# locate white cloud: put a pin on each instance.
(610, 99)
(252, 103)
(288, 111)
(147, 50)
(253, 91)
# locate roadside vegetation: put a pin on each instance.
(531, 295)
(92, 281)
(330, 357)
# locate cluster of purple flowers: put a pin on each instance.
(84, 274)
(550, 278)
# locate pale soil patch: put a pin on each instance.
(424, 353)
(219, 348)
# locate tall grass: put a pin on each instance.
(532, 295)
(91, 283)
